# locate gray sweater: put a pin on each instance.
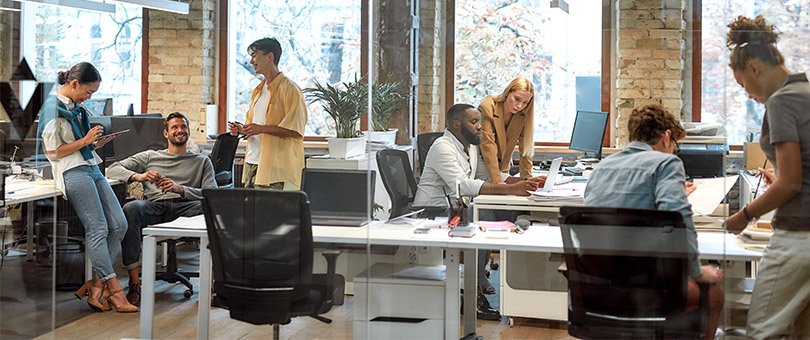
(193, 171)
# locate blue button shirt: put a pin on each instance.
(642, 178)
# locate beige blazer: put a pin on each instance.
(498, 142)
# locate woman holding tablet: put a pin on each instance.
(70, 144)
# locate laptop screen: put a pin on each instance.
(338, 192)
(553, 170)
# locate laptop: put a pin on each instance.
(553, 171)
(339, 197)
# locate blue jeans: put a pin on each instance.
(102, 217)
(141, 214)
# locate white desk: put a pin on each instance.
(536, 239)
(24, 191)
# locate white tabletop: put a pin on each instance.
(545, 239)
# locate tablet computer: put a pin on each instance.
(112, 134)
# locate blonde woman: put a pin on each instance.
(507, 119)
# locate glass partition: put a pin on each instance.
(681, 135)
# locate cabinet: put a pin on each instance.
(399, 301)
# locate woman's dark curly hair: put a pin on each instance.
(753, 39)
(648, 123)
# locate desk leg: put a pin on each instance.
(451, 291)
(148, 287)
(29, 246)
(204, 301)
(470, 289)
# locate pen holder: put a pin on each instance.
(458, 208)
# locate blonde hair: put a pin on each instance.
(524, 84)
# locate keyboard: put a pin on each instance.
(571, 170)
(342, 221)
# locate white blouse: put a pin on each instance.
(56, 133)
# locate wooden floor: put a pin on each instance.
(27, 300)
(177, 320)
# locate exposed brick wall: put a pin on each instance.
(5, 45)
(181, 62)
(429, 110)
(650, 58)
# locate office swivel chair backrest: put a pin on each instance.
(222, 158)
(627, 274)
(261, 247)
(423, 143)
(397, 176)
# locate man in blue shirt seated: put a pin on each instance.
(646, 175)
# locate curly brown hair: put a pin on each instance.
(753, 39)
(648, 123)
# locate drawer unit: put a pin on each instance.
(399, 301)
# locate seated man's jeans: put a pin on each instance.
(141, 214)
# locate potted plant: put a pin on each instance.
(385, 98)
(344, 104)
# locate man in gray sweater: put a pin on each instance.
(172, 179)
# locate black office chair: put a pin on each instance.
(627, 274)
(423, 142)
(222, 157)
(261, 249)
(397, 176)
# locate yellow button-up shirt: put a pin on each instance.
(281, 158)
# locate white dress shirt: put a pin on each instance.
(447, 167)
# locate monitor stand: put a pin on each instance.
(585, 158)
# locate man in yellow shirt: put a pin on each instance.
(274, 125)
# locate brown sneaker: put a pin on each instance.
(134, 294)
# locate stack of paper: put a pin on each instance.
(569, 192)
(755, 238)
(374, 146)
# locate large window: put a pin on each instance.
(66, 36)
(724, 101)
(320, 40)
(498, 40)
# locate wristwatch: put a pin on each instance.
(748, 217)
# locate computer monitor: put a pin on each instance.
(100, 106)
(145, 133)
(338, 192)
(589, 129)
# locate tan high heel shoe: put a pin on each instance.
(82, 291)
(126, 307)
(97, 303)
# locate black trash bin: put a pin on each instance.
(69, 252)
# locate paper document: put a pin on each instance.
(195, 222)
(709, 192)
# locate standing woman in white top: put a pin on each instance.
(70, 144)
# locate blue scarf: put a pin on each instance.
(79, 123)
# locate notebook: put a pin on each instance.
(553, 171)
(339, 197)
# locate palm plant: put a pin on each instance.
(385, 98)
(344, 103)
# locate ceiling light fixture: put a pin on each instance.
(77, 4)
(162, 5)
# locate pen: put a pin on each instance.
(760, 179)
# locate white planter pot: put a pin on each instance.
(346, 147)
(386, 137)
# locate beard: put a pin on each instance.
(470, 136)
(179, 141)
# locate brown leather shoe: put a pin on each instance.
(134, 294)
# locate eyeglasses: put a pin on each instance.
(677, 148)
